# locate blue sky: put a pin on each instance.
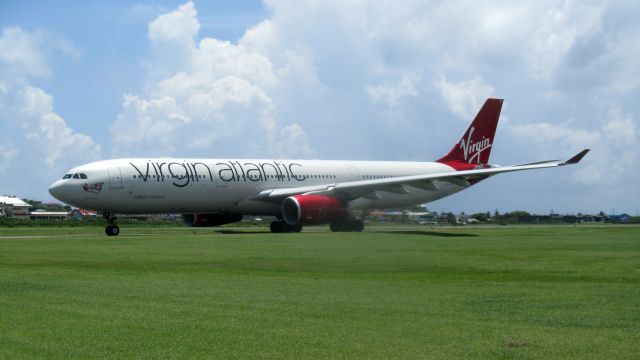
(81, 81)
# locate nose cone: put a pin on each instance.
(57, 190)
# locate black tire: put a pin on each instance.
(276, 226)
(357, 225)
(112, 230)
(283, 227)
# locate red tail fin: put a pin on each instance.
(475, 145)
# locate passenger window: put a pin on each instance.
(76, 176)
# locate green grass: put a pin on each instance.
(391, 292)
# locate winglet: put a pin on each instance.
(576, 158)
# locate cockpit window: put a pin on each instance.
(76, 176)
(83, 176)
(67, 176)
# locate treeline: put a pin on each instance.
(39, 205)
(423, 216)
(524, 217)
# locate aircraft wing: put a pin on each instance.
(352, 190)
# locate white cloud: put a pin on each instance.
(546, 133)
(613, 148)
(216, 95)
(50, 133)
(178, 26)
(621, 129)
(392, 95)
(564, 24)
(25, 53)
(294, 141)
(7, 153)
(193, 117)
(34, 139)
(464, 98)
(21, 54)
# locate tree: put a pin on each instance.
(482, 217)
(451, 219)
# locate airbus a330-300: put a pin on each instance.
(213, 192)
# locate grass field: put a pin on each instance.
(404, 292)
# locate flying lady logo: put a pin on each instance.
(472, 150)
(93, 188)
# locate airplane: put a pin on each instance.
(213, 192)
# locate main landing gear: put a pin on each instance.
(347, 226)
(283, 227)
(112, 229)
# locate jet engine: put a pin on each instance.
(312, 210)
(208, 220)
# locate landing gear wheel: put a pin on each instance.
(112, 230)
(283, 227)
(357, 225)
(276, 226)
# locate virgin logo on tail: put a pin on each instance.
(472, 150)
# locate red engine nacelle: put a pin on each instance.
(312, 210)
(207, 220)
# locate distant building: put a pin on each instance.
(405, 216)
(14, 207)
(49, 215)
(81, 214)
(420, 216)
(622, 218)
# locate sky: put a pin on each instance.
(335, 79)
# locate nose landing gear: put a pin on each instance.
(112, 229)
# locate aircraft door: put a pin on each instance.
(115, 178)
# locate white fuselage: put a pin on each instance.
(166, 185)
